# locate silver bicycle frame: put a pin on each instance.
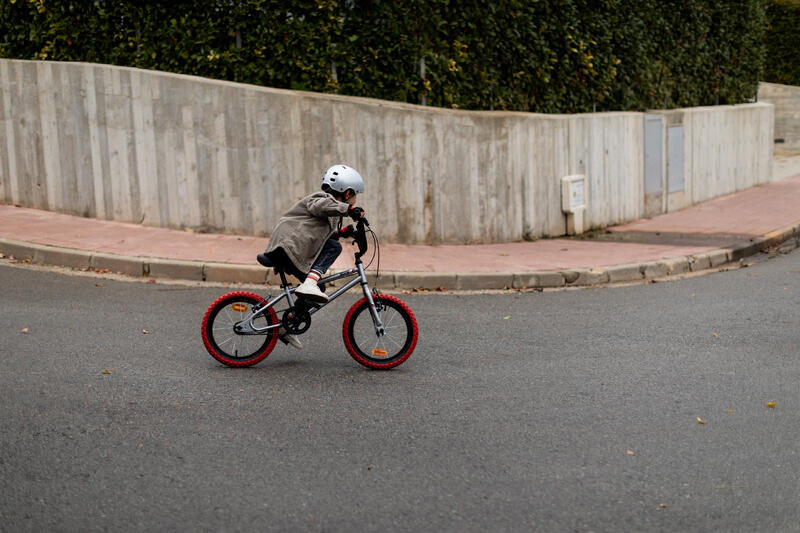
(246, 326)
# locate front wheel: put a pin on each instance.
(386, 351)
(229, 347)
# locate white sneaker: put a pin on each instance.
(309, 289)
(291, 340)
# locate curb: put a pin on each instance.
(256, 274)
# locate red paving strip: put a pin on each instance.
(751, 212)
(722, 221)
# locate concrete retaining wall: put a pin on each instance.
(179, 151)
(786, 99)
(727, 149)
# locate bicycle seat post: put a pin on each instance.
(284, 283)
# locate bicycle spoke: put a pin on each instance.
(236, 343)
(227, 340)
(386, 323)
(391, 339)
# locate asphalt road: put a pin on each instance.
(570, 410)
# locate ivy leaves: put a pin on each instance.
(548, 56)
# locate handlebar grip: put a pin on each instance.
(361, 236)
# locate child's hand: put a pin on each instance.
(355, 212)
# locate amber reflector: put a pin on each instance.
(380, 352)
(239, 307)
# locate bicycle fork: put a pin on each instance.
(380, 331)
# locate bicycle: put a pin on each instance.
(379, 331)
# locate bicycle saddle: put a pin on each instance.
(265, 260)
(276, 259)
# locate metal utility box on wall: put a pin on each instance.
(573, 202)
(676, 179)
(653, 164)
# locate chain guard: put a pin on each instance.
(296, 321)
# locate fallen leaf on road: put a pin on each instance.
(506, 317)
(24, 330)
(631, 452)
(716, 335)
(772, 404)
(145, 331)
(106, 371)
(98, 284)
(700, 420)
(151, 281)
(662, 505)
(730, 410)
(102, 271)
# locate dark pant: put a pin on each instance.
(330, 251)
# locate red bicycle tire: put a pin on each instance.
(265, 350)
(361, 358)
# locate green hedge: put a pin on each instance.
(544, 56)
(783, 42)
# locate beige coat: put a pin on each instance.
(304, 228)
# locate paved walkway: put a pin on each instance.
(703, 236)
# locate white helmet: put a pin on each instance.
(341, 177)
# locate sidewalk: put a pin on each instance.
(701, 237)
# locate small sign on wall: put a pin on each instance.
(573, 195)
(573, 201)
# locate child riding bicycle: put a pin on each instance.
(241, 328)
(305, 239)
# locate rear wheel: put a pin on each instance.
(229, 347)
(385, 351)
